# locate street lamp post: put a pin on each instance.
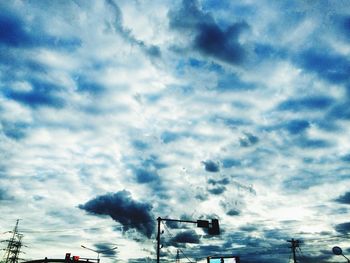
(99, 251)
(339, 252)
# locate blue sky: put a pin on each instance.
(113, 113)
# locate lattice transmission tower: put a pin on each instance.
(13, 247)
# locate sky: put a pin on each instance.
(114, 113)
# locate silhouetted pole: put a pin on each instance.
(178, 256)
(295, 244)
(158, 239)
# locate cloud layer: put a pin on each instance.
(113, 113)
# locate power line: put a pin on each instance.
(166, 228)
(136, 223)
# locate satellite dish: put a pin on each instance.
(337, 251)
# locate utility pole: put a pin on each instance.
(294, 245)
(158, 239)
(177, 257)
(14, 246)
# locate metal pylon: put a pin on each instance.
(14, 246)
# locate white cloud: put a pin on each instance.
(120, 103)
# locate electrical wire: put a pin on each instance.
(166, 228)
(136, 223)
(313, 242)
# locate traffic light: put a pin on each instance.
(76, 258)
(214, 229)
(67, 258)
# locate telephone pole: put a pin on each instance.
(178, 256)
(294, 245)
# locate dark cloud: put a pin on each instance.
(340, 111)
(35, 98)
(325, 257)
(140, 145)
(18, 67)
(296, 126)
(14, 130)
(266, 51)
(146, 170)
(345, 26)
(343, 228)
(173, 224)
(106, 249)
(332, 67)
(207, 250)
(146, 176)
(304, 180)
(232, 209)
(326, 124)
(16, 32)
(209, 38)
(248, 140)
(231, 82)
(344, 199)
(218, 190)
(233, 212)
(230, 162)
(346, 158)
(12, 30)
(308, 143)
(123, 209)
(4, 195)
(152, 162)
(151, 50)
(257, 249)
(42, 94)
(169, 136)
(248, 228)
(201, 196)
(221, 44)
(224, 181)
(211, 166)
(188, 236)
(275, 234)
(196, 63)
(88, 86)
(306, 103)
